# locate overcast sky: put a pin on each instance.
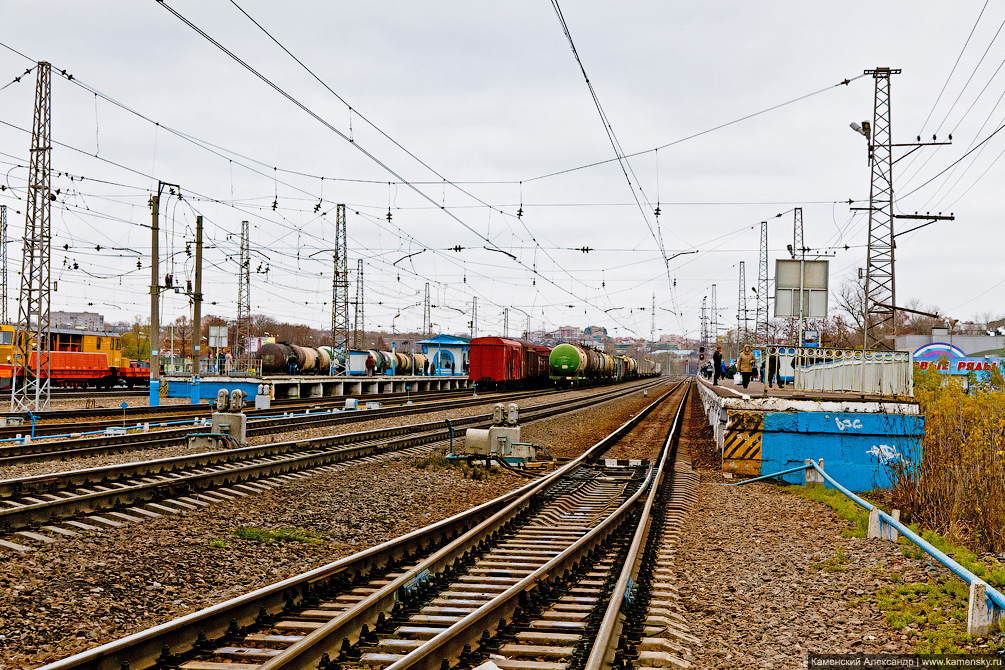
(486, 96)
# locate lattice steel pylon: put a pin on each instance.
(3, 263)
(798, 248)
(880, 291)
(505, 322)
(741, 307)
(714, 320)
(340, 294)
(761, 324)
(474, 317)
(704, 322)
(427, 314)
(33, 302)
(244, 294)
(652, 325)
(358, 325)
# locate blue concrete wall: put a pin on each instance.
(855, 446)
(208, 389)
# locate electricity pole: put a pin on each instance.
(880, 285)
(704, 323)
(714, 325)
(505, 321)
(474, 317)
(3, 263)
(427, 314)
(340, 292)
(357, 332)
(798, 248)
(244, 293)
(762, 288)
(652, 325)
(197, 299)
(33, 302)
(155, 290)
(741, 309)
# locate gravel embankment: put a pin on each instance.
(91, 589)
(765, 578)
(45, 467)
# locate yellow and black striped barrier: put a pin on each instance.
(741, 449)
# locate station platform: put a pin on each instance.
(286, 387)
(755, 389)
(862, 439)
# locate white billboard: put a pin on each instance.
(218, 336)
(809, 277)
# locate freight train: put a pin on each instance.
(498, 362)
(77, 359)
(284, 358)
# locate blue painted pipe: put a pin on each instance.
(992, 594)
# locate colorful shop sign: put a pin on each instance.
(951, 360)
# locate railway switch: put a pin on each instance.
(501, 441)
(229, 428)
(263, 400)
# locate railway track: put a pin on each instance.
(80, 495)
(165, 436)
(533, 580)
(204, 412)
(112, 416)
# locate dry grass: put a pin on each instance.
(956, 486)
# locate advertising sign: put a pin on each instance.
(811, 338)
(951, 360)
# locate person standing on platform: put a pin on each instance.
(716, 365)
(370, 365)
(746, 364)
(774, 370)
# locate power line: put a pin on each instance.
(844, 82)
(613, 138)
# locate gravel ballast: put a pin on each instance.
(99, 586)
(766, 577)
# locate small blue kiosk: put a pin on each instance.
(447, 354)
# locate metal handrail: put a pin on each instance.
(991, 593)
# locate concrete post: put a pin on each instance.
(980, 612)
(812, 476)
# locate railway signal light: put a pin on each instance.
(701, 353)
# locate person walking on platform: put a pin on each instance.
(774, 370)
(716, 366)
(746, 363)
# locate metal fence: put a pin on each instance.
(881, 373)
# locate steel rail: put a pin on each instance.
(307, 653)
(45, 424)
(141, 650)
(606, 642)
(176, 478)
(37, 451)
